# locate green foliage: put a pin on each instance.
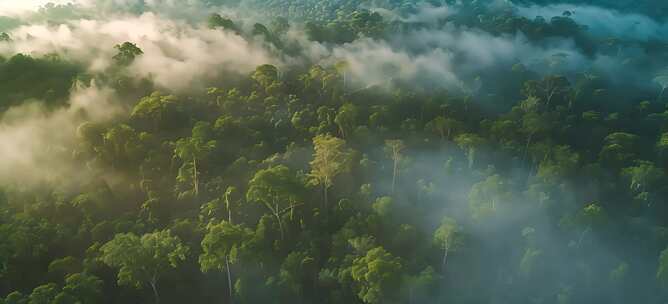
(23, 77)
(296, 182)
(223, 240)
(143, 259)
(377, 275)
(217, 21)
(127, 53)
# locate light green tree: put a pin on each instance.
(330, 159)
(222, 246)
(377, 275)
(194, 148)
(143, 259)
(278, 190)
(448, 237)
(394, 150)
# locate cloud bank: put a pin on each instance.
(177, 56)
(36, 143)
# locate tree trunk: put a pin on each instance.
(395, 172)
(324, 190)
(228, 204)
(195, 183)
(344, 82)
(526, 149)
(229, 279)
(445, 258)
(154, 287)
(280, 225)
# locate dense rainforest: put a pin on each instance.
(340, 151)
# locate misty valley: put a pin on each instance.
(336, 151)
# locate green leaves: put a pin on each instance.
(377, 275)
(216, 21)
(143, 259)
(618, 148)
(330, 159)
(449, 235)
(158, 112)
(127, 52)
(223, 240)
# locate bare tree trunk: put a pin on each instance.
(195, 182)
(445, 257)
(228, 204)
(324, 190)
(526, 149)
(229, 279)
(280, 223)
(154, 287)
(395, 172)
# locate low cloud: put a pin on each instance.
(177, 56)
(37, 143)
(604, 22)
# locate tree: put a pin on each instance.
(591, 215)
(330, 159)
(377, 274)
(342, 68)
(643, 177)
(216, 21)
(127, 53)
(277, 189)
(534, 124)
(662, 271)
(157, 112)
(618, 148)
(485, 196)
(15, 297)
(143, 259)
(346, 119)
(662, 144)
(662, 81)
(43, 294)
(444, 127)
(422, 286)
(547, 89)
(194, 148)
(265, 75)
(298, 269)
(394, 149)
(83, 288)
(448, 237)
(222, 245)
(470, 143)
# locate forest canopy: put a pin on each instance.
(340, 151)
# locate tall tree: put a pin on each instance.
(222, 246)
(377, 274)
(127, 53)
(346, 119)
(448, 237)
(143, 259)
(470, 143)
(330, 159)
(278, 190)
(194, 148)
(394, 149)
